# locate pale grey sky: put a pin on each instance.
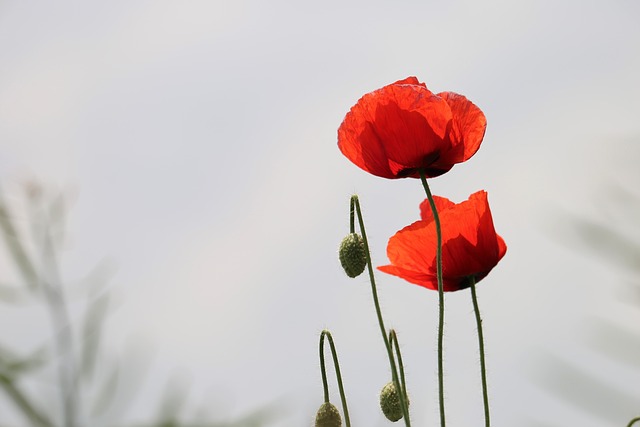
(199, 140)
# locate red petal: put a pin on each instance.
(441, 203)
(427, 280)
(410, 248)
(395, 130)
(467, 128)
(410, 81)
(470, 245)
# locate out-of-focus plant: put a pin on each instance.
(614, 238)
(92, 390)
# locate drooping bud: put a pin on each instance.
(352, 255)
(328, 416)
(390, 402)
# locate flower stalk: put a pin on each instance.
(436, 220)
(483, 369)
(393, 340)
(326, 334)
(354, 210)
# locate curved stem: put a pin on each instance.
(436, 219)
(483, 369)
(323, 369)
(393, 340)
(336, 365)
(352, 210)
(633, 421)
(394, 372)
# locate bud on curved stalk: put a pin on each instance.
(328, 416)
(352, 255)
(390, 402)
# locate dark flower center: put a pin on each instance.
(426, 163)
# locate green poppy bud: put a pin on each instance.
(390, 402)
(352, 255)
(328, 416)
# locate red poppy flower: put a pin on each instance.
(395, 131)
(470, 245)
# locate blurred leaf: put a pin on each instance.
(581, 389)
(114, 390)
(107, 393)
(94, 282)
(12, 365)
(258, 418)
(130, 377)
(92, 332)
(57, 219)
(20, 257)
(617, 343)
(608, 243)
(23, 403)
(11, 294)
(175, 397)
(625, 203)
(615, 239)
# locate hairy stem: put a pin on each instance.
(336, 365)
(483, 369)
(394, 371)
(436, 219)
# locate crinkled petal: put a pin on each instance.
(417, 277)
(467, 128)
(410, 81)
(470, 245)
(441, 203)
(429, 281)
(394, 131)
(409, 248)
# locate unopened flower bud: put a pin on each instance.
(390, 402)
(352, 255)
(328, 416)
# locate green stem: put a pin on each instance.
(436, 219)
(483, 369)
(394, 371)
(336, 365)
(633, 421)
(352, 212)
(393, 340)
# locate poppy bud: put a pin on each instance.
(328, 416)
(390, 402)
(352, 255)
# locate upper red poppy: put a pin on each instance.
(395, 131)
(470, 245)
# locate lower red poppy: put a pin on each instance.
(470, 245)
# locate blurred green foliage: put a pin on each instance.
(34, 238)
(614, 237)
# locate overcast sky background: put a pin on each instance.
(196, 141)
